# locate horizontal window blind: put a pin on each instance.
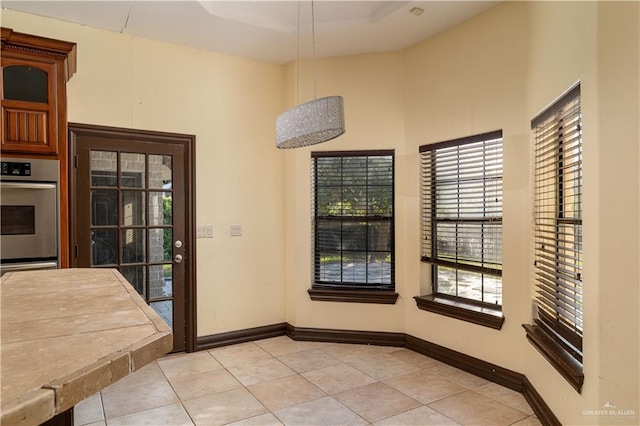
(462, 213)
(353, 223)
(558, 221)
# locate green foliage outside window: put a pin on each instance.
(168, 237)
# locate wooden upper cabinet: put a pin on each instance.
(35, 71)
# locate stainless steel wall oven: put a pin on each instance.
(29, 214)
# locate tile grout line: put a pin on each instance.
(349, 363)
(247, 389)
(376, 381)
(326, 394)
(174, 391)
(104, 414)
(167, 380)
(432, 371)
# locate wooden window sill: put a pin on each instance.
(557, 356)
(386, 297)
(480, 315)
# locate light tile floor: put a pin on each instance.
(280, 381)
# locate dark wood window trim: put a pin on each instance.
(556, 331)
(384, 297)
(557, 355)
(366, 291)
(459, 309)
(441, 166)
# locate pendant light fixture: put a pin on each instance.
(312, 122)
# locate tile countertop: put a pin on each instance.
(68, 333)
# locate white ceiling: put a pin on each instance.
(266, 30)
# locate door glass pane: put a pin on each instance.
(160, 208)
(167, 217)
(104, 246)
(136, 277)
(160, 172)
(160, 245)
(165, 310)
(104, 207)
(133, 245)
(104, 168)
(22, 83)
(160, 281)
(133, 208)
(132, 169)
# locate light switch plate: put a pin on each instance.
(235, 230)
(204, 231)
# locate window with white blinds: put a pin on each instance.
(558, 221)
(462, 217)
(353, 224)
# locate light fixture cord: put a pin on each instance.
(298, 59)
(126, 22)
(313, 47)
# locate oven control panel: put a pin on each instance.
(9, 168)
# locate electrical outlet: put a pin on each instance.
(235, 230)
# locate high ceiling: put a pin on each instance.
(267, 30)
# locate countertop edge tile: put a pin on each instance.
(77, 381)
(76, 386)
(32, 408)
(150, 349)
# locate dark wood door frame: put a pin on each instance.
(188, 142)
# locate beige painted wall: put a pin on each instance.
(230, 105)
(598, 44)
(467, 81)
(495, 71)
(373, 98)
(615, 319)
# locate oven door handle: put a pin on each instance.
(24, 266)
(24, 185)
